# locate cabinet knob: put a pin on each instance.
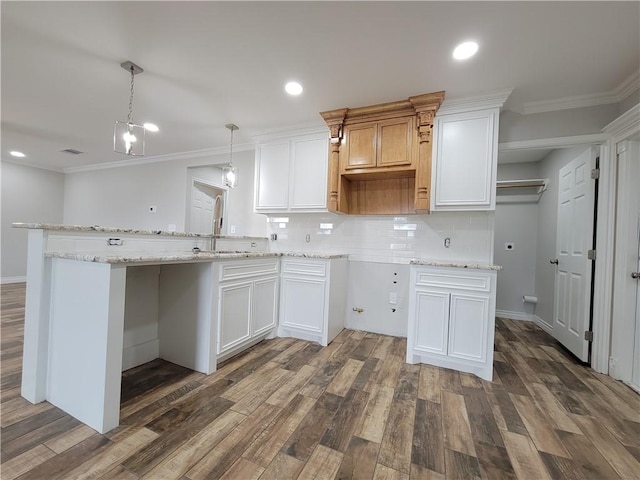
(635, 275)
(553, 261)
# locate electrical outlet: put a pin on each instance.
(153, 209)
(307, 238)
(232, 229)
(509, 246)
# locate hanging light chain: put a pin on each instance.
(129, 118)
(231, 149)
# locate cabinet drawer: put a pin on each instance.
(304, 267)
(461, 281)
(252, 268)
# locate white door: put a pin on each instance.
(272, 163)
(468, 325)
(635, 380)
(302, 304)
(625, 333)
(309, 173)
(431, 317)
(234, 314)
(207, 208)
(574, 240)
(265, 305)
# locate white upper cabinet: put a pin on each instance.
(464, 170)
(291, 174)
(272, 176)
(465, 152)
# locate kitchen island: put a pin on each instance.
(85, 284)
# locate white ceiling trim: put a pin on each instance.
(554, 142)
(617, 95)
(207, 152)
(477, 102)
(277, 133)
(32, 165)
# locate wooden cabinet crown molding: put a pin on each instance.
(348, 193)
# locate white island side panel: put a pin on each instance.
(85, 341)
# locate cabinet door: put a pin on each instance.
(465, 161)
(302, 304)
(309, 160)
(468, 326)
(235, 315)
(395, 142)
(432, 321)
(360, 147)
(265, 305)
(272, 176)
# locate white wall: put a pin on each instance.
(121, 196)
(516, 223)
(28, 195)
(547, 228)
(631, 101)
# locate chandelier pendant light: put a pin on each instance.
(128, 138)
(230, 172)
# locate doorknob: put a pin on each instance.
(554, 261)
(635, 275)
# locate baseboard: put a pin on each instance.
(140, 354)
(20, 279)
(542, 324)
(527, 317)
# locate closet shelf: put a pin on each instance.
(521, 191)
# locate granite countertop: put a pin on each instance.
(134, 231)
(326, 256)
(448, 263)
(204, 256)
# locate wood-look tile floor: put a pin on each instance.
(290, 409)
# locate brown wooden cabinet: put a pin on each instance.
(380, 158)
(388, 143)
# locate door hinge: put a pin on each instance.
(595, 173)
(588, 335)
(591, 254)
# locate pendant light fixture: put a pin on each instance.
(128, 138)
(230, 172)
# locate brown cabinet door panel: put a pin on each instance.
(394, 142)
(361, 146)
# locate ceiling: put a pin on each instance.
(211, 63)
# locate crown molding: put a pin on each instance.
(277, 133)
(494, 99)
(617, 95)
(554, 142)
(32, 165)
(207, 152)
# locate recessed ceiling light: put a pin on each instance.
(293, 88)
(150, 127)
(465, 50)
(15, 153)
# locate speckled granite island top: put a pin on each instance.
(133, 231)
(182, 257)
(447, 263)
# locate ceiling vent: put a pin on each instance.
(71, 151)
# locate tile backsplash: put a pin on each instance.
(387, 239)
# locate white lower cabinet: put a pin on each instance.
(452, 318)
(247, 303)
(312, 298)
